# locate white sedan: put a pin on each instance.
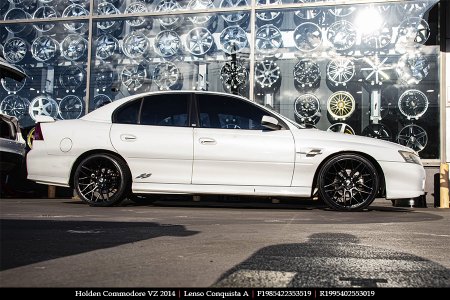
(188, 142)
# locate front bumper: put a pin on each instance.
(403, 180)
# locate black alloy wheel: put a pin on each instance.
(348, 182)
(102, 180)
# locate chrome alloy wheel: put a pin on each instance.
(413, 136)
(134, 8)
(72, 78)
(44, 48)
(199, 41)
(237, 17)
(15, 50)
(342, 35)
(340, 70)
(44, 12)
(15, 106)
(169, 6)
(107, 45)
(200, 19)
(43, 106)
(166, 75)
(74, 47)
(267, 15)
(133, 76)
(101, 180)
(307, 37)
(135, 45)
(233, 39)
(167, 43)
(267, 73)
(268, 39)
(348, 182)
(75, 10)
(70, 107)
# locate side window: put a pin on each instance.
(5, 130)
(128, 113)
(166, 110)
(217, 111)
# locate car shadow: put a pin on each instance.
(334, 260)
(24, 242)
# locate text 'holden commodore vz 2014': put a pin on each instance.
(193, 142)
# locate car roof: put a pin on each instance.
(103, 114)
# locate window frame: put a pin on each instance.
(196, 117)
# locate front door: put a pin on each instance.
(232, 148)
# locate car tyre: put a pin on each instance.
(102, 180)
(348, 182)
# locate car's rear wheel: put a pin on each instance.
(102, 180)
(348, 182)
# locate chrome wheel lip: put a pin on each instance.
(349, 183)
(98, 177)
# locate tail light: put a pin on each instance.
(38, 136)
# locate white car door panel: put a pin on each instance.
(160, 154)
(243, 157)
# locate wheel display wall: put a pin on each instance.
(307, 60)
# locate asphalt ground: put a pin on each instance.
(221, 243)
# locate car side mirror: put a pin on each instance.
(270, 123)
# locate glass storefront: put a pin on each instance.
(361, 68)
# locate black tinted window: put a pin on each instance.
(166, 110)
(229, 113)
(128, 113)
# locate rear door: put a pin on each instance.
(232, 148)
(155, 137)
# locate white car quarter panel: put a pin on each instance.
(161, 154)
(47, 160)
(243, 157)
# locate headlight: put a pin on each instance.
(410, 157)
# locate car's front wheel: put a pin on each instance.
(348, 182)
(102, 180)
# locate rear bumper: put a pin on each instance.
(403, 180)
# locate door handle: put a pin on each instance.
(207, 141)
(128, 137)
